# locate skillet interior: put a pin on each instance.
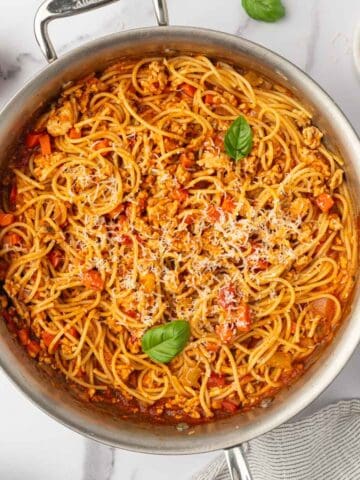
(50, 394)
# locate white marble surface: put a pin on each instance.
(317, 36)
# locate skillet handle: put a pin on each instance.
(52, 9)
(236, 461)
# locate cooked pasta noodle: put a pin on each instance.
(125, 212)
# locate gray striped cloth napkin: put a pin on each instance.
(324, 446)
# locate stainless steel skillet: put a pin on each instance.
(50, 394)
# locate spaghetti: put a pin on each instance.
(123, 212)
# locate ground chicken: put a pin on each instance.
(312, 137)
(299, 207)
(156, 79)
(60, 121)
(214, 160)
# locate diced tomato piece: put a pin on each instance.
(209, 99)
(92, 279)
(188, 89)
(228, 204)
(33, 348)
(216, 380)
(105, 143)
(189, 219)
(323, 306)
(116, 211)
(6, 219)
(12, 239)
(187, 160)
(74, 133)
(213, 214)
(229, 406)
(243, 317)
(45, 144)
(261, 264)
(126, 240)
(325, 202)
(180, 194)
(48, 338)
(23, 335)
(73, 332)
(131, 313)
(32, 139)
(212, 347)
(55, 257)
(13, 195)
(227, 296)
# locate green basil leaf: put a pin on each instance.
(264, 10)
(163, 343)
(238, 139)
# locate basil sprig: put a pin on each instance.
(163, 343)
(238, 139)
(264, 10)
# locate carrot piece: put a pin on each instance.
(180, 194)
(12, 239)
(74, 133)
(229, 406)
(209, 99)
(187, 160)
(6, 219)
(55, 257)
(188, 89)
(48, 338)
(325, 202)
(23, 335)
(216, 380)
(32, 139)
(92, 279)
(45, 144)
(228, 204)
(33, 348)
(213, 214)
(243, 317)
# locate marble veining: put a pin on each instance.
(315, 36)
(99, 461)
(312, 39)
